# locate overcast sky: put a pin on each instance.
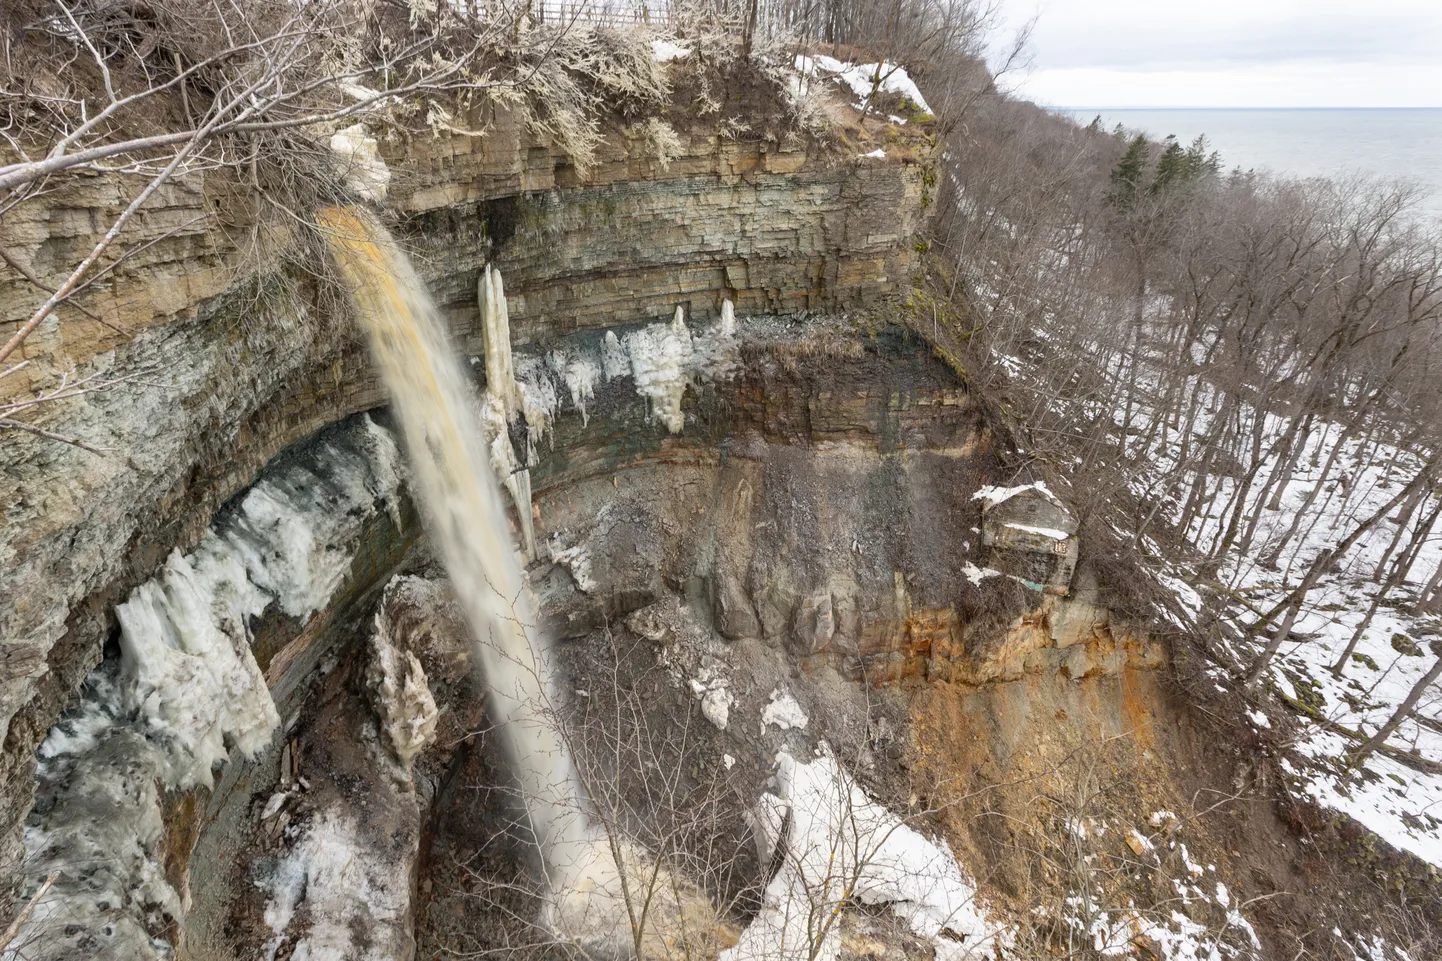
(1232, 53)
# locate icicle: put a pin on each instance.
(503, 464)
(539, 403)
(614, 362)
(660, 362)
(581, 375)
(496, 331)
(519, 486)
(715, 356)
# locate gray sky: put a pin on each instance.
(1242, 53)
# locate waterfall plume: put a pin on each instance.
(455, 483)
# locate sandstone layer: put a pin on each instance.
(218, 350)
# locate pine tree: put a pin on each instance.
(1130, 171)
(1096, 125)
(1173, 168)
(1200, 163)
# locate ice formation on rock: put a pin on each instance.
(399, 695)
(505, 399)
(614, 362)
(352, 898)
(661, 359)
(577, 560)
(581, 375)
(185, 687)
(496, 334)
(539, 403)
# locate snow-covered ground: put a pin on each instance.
(863, 78)
(1200, 921)
(1401, 802)
(1396, 794)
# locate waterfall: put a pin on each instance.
(454, 481)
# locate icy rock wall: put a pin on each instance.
(662, 361)
(185, 691)
(223, 367)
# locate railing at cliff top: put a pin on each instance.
(729, 15)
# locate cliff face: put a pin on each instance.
(809, 537)
(229, 354)
(799, 568)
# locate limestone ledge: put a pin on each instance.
(1066, 637)
(219, 350)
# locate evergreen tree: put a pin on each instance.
(1130, 171)
(1173, 169)
(1096, 125)
(1200, 163)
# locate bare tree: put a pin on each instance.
(1409, 703)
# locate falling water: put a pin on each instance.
(457, 487)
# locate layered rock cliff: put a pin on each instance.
(785, 574)
(230, 354)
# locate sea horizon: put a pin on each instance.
(1393, 143)
(1222, 107)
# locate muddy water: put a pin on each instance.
(452, 478)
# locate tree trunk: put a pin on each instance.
(1285, 473)
(749, 34)
(1403, 709)
(1405, 518)
(1293, 602)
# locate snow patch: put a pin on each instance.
(1050, 532)
(715, 700)
(998, 495)
(863, 78)
(978, 574)
(784, 712)
(664, 51)
(842, 845)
